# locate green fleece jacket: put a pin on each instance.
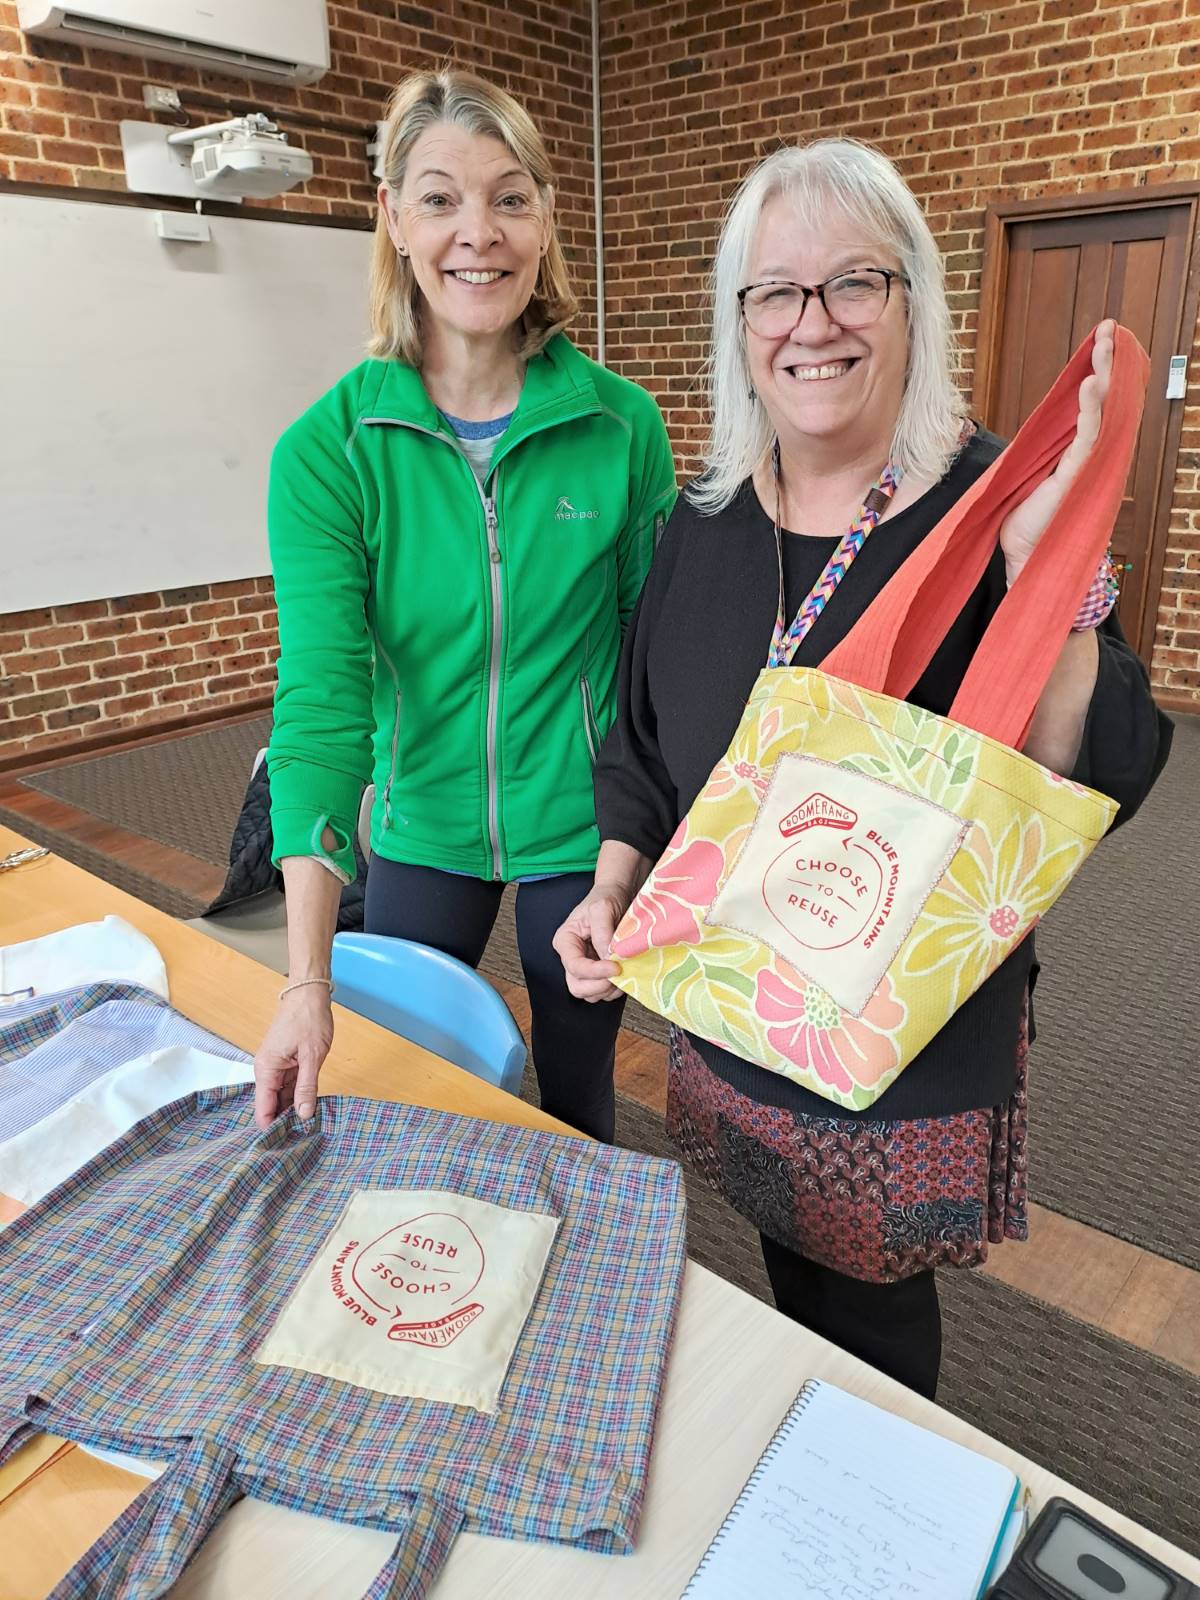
(457, 644)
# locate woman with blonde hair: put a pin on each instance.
(459, 532)
(839, 441)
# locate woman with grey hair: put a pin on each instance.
(838, 442)
(459, 532)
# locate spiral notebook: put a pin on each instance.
(849, 1502)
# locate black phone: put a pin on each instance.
(1067, 1555)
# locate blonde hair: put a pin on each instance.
(859, 182)
(471, 103)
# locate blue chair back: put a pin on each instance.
(433, 999)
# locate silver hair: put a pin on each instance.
(830, 176)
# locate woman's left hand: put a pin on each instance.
(1025, 526)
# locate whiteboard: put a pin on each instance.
(144, 385)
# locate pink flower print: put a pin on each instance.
(676, 840)
(811, 1032)
(663, 913)
(725, 778)
(1004, 922)
(768, 726)
(722, 780)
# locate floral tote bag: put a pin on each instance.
(855, 867)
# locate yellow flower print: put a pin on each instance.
(986, 904)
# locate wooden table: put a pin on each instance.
(735, 1368)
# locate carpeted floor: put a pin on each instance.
(1109, 1418)
(1112, 1142)
(185, 793)
(1114, 1135)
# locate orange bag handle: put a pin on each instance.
(894, 640)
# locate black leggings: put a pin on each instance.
(894, 1327)
(573, 1041)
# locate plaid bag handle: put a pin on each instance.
(143, 1554)
(146, 1549)
(895, 639)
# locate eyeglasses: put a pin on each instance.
(851, 299)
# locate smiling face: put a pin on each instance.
(822, 383)
(474, 228)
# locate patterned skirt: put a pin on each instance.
(875, 1199)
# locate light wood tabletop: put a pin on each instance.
(735, 1367)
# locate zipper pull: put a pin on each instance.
(489, 512)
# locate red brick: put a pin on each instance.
(81, 611)
(63, 677)
(126, 604)
(37, 122)
(32, 660)
(27, 705)
(14, 620)
(135, 643)
(51, 638)
(116, 666)
(73, 716)
(23, 728)
(166, 617)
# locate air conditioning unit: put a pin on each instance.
(286, 41)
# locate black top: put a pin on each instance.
(698, 640)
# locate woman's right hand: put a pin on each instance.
(291, 1054)
(584, 939)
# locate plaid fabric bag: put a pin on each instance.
(134, 1297)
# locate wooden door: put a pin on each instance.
(1062, 272)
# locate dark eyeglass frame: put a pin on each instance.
(818, 289)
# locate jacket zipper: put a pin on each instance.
(391, 777)
(491, 523)
(489, 516)
(590, 726)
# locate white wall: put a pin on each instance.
(143, 385)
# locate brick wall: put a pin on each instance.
(112, 664)
(976, 102)
(109, 666)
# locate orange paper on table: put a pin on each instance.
(30, 1461)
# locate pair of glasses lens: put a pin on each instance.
(852, 300)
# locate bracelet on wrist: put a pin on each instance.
(303, 983)
(1100, 598)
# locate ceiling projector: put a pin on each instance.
(244, 158)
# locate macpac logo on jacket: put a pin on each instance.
(566, 512)
(450, 641)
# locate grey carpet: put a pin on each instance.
(1112, 1419)
(1112, 1142)
(1114, 1133)
(185, 793)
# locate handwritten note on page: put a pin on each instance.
(852, 1503)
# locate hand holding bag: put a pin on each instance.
(855, 867)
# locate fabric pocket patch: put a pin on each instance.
(835, 872)
(416, 1292)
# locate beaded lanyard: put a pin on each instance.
(784, 646)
